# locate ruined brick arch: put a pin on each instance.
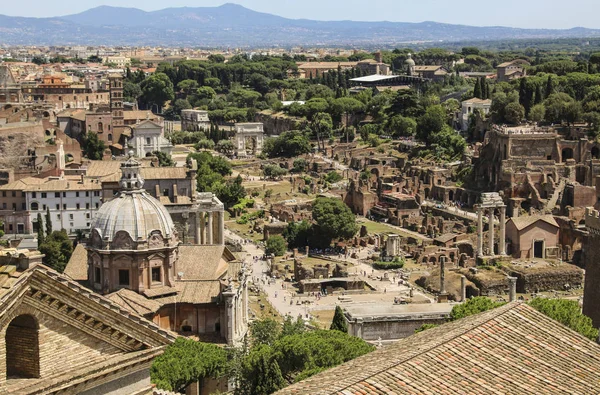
(22, 348)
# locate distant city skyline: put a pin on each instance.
(550, 14)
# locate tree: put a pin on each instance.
(204, 144)
(321, 126)
(93, 147)
(216, 58)
(477, 89)
(276, 245)
(299, 165)
(187, 86)
(339, 321)
(298, 234)
(57, 248)
(273, 172)
(318, 90)
(260, 373)
(400, 126)
(164, 160)
(291, 327)
(264, 332)
(230, 192)
(537, 113)
(186, 361)
(514, 113)
(431, 123)
(131, 91)
(225, 147)
(48, 221)
(174, 111)
(347, 106)
(38, 60)
(333, 177)
(568, 313)
(205, 93)
(157, 89)
(473, 306)
(288, 144)
(40, 230)
(333, 219)
(557, 106)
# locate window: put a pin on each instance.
(14, 194)
(71, 217)
(22, 194)
(64, 194)
(34, 206)
(58, 206)
(87, 215)
(64, 206)
(156, 274)
(96, 193)
(14, 206)
(77, 206)
(23, 206)
(97, 273)
(3, 193)
(10, 227)
(57, 216)
(44, 207)
(124, 278)
(56, 194)
(4, 206)
(33, 195)
(148, 140)
(97, 205)
(87, 206)
(76, 194)
(165, 192)
(87, 193)
(44, 195)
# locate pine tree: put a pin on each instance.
(549, 87)
(339, 321)
(48, 222)
(477, 90)
(40, 230)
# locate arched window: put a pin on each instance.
(109, 137)
(22, 348)
(35, 206)
(100, 127)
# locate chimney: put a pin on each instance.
(512, 289)
(463, 288)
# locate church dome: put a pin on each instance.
(133, 217)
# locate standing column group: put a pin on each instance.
(205, 228)
(501, 233)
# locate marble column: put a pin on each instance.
(502, 242)
(221, 235)
(463, 288)
(442, 275)
(491, 229)
(198, 239)
(209, 229)
(479, 231)
(202, 227)
(512, 289)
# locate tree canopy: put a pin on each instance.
(333, 219)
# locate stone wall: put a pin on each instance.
(388, 330)
(591, 293)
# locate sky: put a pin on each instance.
(557, 14)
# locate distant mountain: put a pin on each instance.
(235, 26)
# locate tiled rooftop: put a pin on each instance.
(513, 349)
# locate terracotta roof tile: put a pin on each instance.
(512, 349)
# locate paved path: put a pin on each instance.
(280, 293)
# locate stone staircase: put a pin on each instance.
(556, 195)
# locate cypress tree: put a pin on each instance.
(477, 90)
(522, 93)
(549, 86)
(339, 321)
(538, 94)
(48, 222)
(40, 230)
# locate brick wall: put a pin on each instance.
(591, 293)
(22, 351)
(61, 346)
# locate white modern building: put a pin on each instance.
(148, 136)
(72, 203)
(469, 106)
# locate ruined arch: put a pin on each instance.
(22, 348)
(566, 153)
